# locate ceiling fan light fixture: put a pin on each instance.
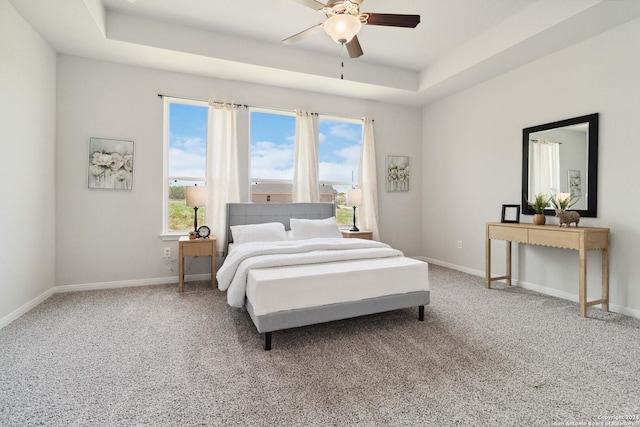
(342, 28)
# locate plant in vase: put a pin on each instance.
(539, 204)
(564, 201)
(192, 235)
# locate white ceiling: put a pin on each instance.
(458, 43)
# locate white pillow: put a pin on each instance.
(313, 228)
(268, 232)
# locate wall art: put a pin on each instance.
(575, 183)
(397, 173)
(110, 164)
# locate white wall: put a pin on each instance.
(27, 202)
(472, 163)
(111, 236)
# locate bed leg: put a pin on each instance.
(421, 313)
(267, 341)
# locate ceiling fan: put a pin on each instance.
(344, 20)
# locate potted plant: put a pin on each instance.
(192, 235)
(564, 201)
(539, 204)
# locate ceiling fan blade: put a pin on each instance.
(303, 34)
(354, 48)
(313, 4)
(392, 20)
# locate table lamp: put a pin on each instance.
(354, 198)
(196, 196)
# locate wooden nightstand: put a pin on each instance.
(196, 247)
(362, 234)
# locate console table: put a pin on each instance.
(581, 239)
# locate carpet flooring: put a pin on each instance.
(148, 356)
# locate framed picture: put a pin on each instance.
(574, 183)
(397, 173)
(110, 164)
(510, 213)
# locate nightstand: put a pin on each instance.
(196, 247)
(362, 234)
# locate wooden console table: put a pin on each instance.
(581, 239)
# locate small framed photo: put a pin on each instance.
(510, 213)
(110, 164)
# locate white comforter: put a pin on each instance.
(232, 276)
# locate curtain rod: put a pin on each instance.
(201, 100)
(248, 106)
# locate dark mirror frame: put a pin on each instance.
(592, 163)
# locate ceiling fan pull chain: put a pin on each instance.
(342, 62)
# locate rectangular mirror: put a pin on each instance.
(562, 157)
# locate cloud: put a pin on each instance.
(271, 161)
(344, 131)
(188, 143)
(186, 164)
(338, 172)
(351, 154)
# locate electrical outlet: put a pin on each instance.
(459, 244)
(167, 252)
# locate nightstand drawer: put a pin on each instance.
(198, 247)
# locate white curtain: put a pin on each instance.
(305, 163)
(222, 165)
(368, 217)
(544, 168)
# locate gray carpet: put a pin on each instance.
(150, 356)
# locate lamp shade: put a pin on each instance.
(196, 196)
(354, 197)
(342, 28)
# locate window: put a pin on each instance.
(545, 176)
(339, 156)
(185, 160)
(272, 152)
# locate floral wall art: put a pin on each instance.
(110, 164)
(575, 183)
(397, 173)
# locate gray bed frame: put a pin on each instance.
(258, 213)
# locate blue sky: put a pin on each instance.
(187, 140)
(272, 144)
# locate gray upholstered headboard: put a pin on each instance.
(259, 213)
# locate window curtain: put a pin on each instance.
(367, 178)
(305, 163)
(545, 168)
(222, 164)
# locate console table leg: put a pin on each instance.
(605, 280)
(582, 292)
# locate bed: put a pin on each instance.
(297, 278)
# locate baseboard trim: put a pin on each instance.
(129, 283)
(23, 309)
(471, 271)
(15, 314)
(533, 287)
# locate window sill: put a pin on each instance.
(172, 237)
